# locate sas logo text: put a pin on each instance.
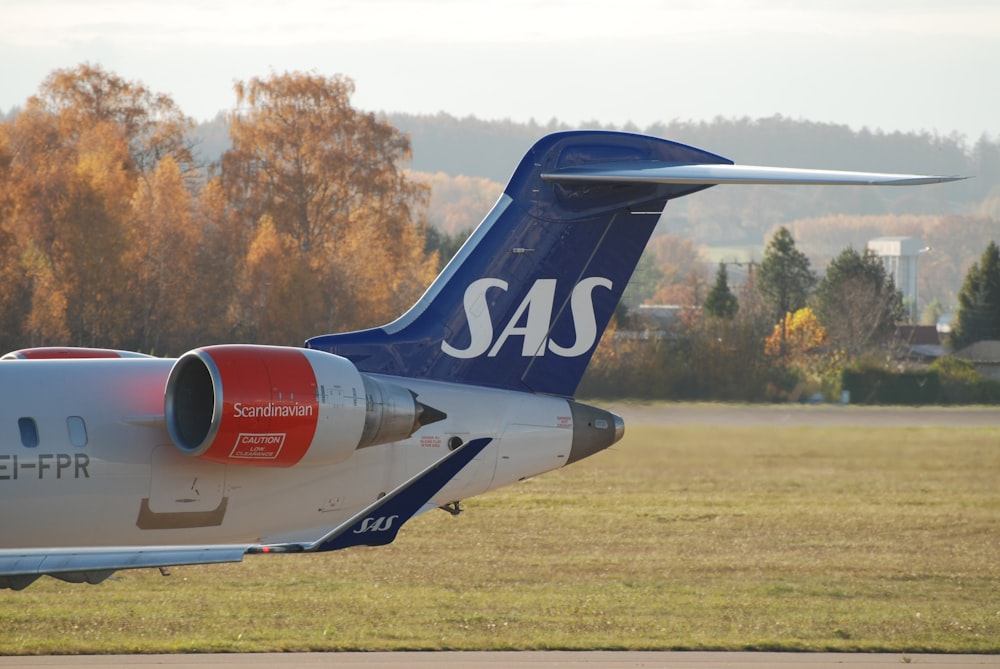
(532, 320)
(380, 524)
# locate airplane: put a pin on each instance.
(112, 460)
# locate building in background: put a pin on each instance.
(899, 257)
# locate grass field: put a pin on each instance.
(676, 538)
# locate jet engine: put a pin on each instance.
(273, 406)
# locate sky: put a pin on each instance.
(891, 65)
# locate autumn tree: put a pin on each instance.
(212, 313)
(29, 283)
(70, 193)
(45, 321)
(277, 296)
(164, 239)
(979, 301)
(799, 346)
(106, 239)
(14, 294)
(89, 245)
(330, 179)
(151, 123)
(800, 335)
(857, 301)
(77, 153)
(681, 268)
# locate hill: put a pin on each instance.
(468, 160)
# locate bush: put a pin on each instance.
(962, 384)
(947, 381)
(870, 385)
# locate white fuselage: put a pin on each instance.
(104, 471)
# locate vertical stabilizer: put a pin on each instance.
(525, 301)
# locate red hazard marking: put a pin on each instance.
(258, 446)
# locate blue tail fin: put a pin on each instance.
(525, 301)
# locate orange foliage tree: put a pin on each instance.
(330, 179)
(73, 159)
(802, 334)
(683, 277)
(111, 236)
(164, 237)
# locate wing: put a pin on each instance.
(20, 567)
(642, 171)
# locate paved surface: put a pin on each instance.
(795, 415)
(516, 660)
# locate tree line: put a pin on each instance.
(956, 220)
(112, 234)
(789, 334)
(466, 161)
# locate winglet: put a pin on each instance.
(378, 523)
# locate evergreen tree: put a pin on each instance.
(979, 301)
(445, 244)
(721, 303)
(857, 301)
(785, 279)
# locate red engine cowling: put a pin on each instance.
(272, 406)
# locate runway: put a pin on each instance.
(800, 415)
(517, 660)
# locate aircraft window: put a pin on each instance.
(29, 432)
(77, 431)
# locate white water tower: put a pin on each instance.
(899, 257)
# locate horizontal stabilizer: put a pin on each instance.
(634, 172)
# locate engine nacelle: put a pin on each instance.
(273, 406)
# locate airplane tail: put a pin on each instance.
(524, 302)
(522, 305)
